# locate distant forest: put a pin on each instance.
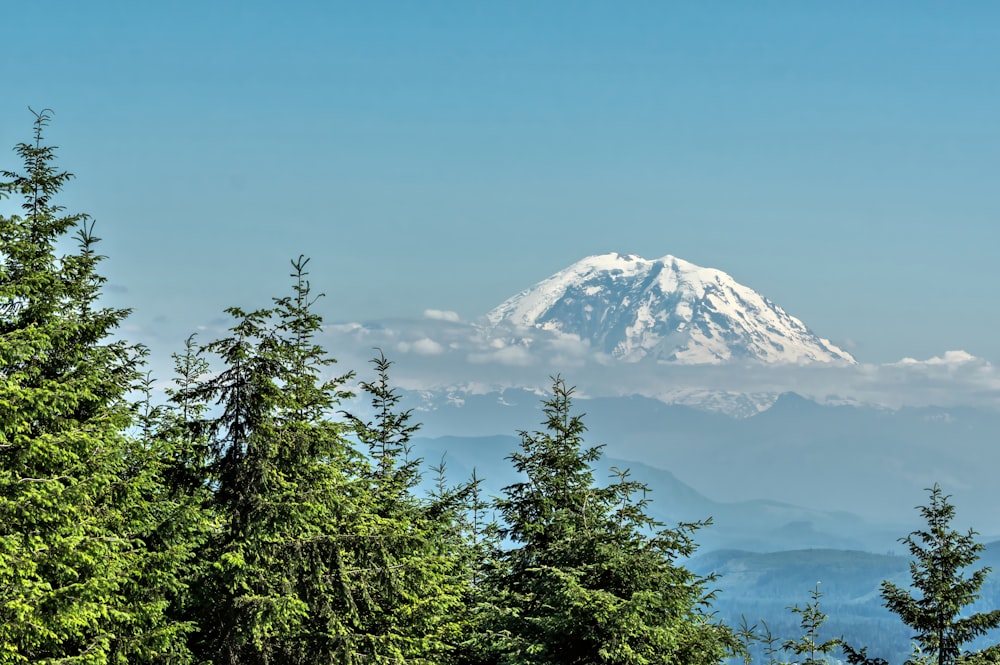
(247, 518)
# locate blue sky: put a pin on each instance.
(840, 158)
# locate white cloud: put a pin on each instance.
(424, 347)
(439, 353)
(345, 327)
(951, 358)
(441, 315)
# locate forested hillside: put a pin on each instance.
(244, 517)
(761, 586)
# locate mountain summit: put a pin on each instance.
(668, 310)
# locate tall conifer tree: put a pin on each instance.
(589, 577)
(278, 588)
(71, 482)
(410, 577)
(942, 586)
(809, 649)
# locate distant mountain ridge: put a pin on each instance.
(869, 461)
(667, 310)
(757, 525)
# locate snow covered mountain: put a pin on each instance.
(667, 310)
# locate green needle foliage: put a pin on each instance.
(809, 645)
(747, 635)
(409, 577)
(277, 588)
(588, 576)
(941, 557)
(73, 487)
(168, 499)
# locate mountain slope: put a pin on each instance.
(668, 310)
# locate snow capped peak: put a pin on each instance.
(667, 309)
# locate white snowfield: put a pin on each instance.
(667, 310)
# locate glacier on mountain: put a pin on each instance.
(667, 310)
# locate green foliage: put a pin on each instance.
(479, 545)
(770, 642)
(167, 514)
(409, 585)
(588, 576)
(941, 557)
(76, 494)
(810, 620)
(322, 553)
(860, 656)
(747, 635)
(987, 656)
(276, 588)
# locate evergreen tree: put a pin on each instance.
(860, 656)
(323, 554)
(72, 484)
(771, 643)
(941, 557)
(481, 544)
(588, 576)
(278, 587)
(182, 421)
(810, 620)
(409, 580)
(177, 450)
(167, 497)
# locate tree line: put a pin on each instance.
(247, 519)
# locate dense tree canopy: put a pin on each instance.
(78, 495)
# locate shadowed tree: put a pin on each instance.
(941, 585)
(277, 588)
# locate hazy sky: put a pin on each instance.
(842, 158)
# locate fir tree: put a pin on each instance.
(178, 452)
(771, 643)
(410, 578)
(167, 496)
(941, 557)
(72, 484)
(811, 619)
(860, 656)
(278, 588)
(588, 576)
(747, 635)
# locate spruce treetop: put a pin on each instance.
(942, 585)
